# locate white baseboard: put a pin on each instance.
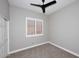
(26, 48)
(67, 50)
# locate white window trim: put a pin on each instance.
(35, 35)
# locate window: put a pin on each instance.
(34, 27)
(31, 27)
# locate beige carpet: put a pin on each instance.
(43, 51)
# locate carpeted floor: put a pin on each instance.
(43, 51)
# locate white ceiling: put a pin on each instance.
(26, 4)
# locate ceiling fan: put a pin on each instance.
(44, 6)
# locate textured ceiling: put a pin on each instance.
(26, 4)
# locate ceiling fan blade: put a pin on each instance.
(50, 3)
(36, 5)
(43, 9)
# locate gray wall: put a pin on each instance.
(64, 27)
(18, 38)
(4, 12)
(4, 8)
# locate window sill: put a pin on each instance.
(34, 35)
